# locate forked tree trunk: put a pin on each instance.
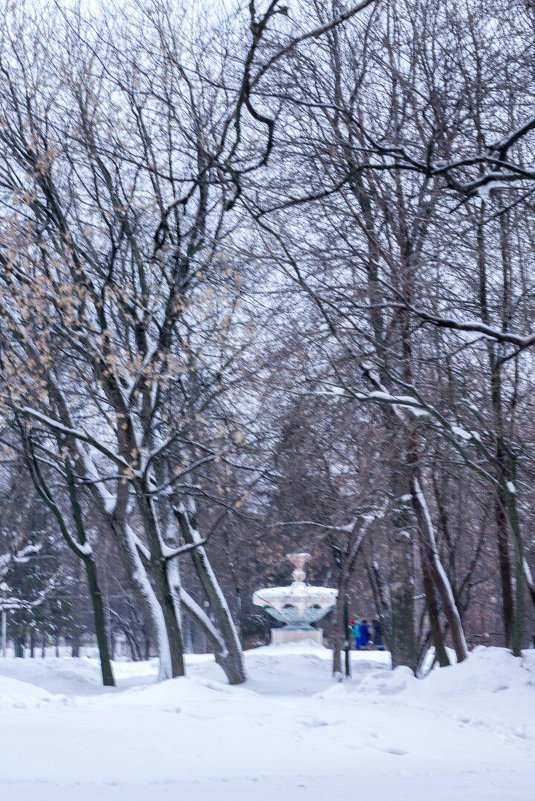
(438, 574)
(441, 654)
(166, 581)
(145, 596)
(231, 658)
(165, 593)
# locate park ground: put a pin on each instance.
(289, 734)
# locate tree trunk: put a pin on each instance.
(529, 581)
(500, 515)
(19, 643)
(135, 651)
(504, 563)
(437, 571)
(399, 625)
(520, 568)
(100, 623)
(166, 580)
(441, 655)
(165, 593)
(144, 593)
(338, 634)
(75, 651)
(231, 658)
(76, 607)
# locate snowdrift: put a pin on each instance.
(15, 694)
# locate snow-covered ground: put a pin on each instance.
(466, 732)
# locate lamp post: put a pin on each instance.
(3, 589)
(347, 645)
(4, 633)
(5, 605)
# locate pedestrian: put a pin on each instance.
(378, 635)
(354, 626)
(364, 634)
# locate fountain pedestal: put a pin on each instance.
(286, 635)
(297, 606)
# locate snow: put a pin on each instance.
(465, 731)
(337, 391)
(484, 190)
(461, 433)
(15, 694)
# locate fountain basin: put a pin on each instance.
(297, 605)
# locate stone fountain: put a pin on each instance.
(297, 606)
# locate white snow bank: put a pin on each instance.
(487, 670)
(15, 694)
(170, 695)
(491, 690)
(465, 731)
(62, 675)
(491, 685)
(388, 683)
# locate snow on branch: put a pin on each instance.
(78, 434)
(521, 341)
(407, 407)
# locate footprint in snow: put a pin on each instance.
(314, 723)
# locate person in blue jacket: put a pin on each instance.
(364, 634)
(354, 627)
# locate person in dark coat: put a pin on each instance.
(378, 635)
(364, 634)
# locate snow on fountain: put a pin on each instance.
(297, 606)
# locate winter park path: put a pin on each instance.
(466, 732)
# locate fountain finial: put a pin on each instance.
(299, 561)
